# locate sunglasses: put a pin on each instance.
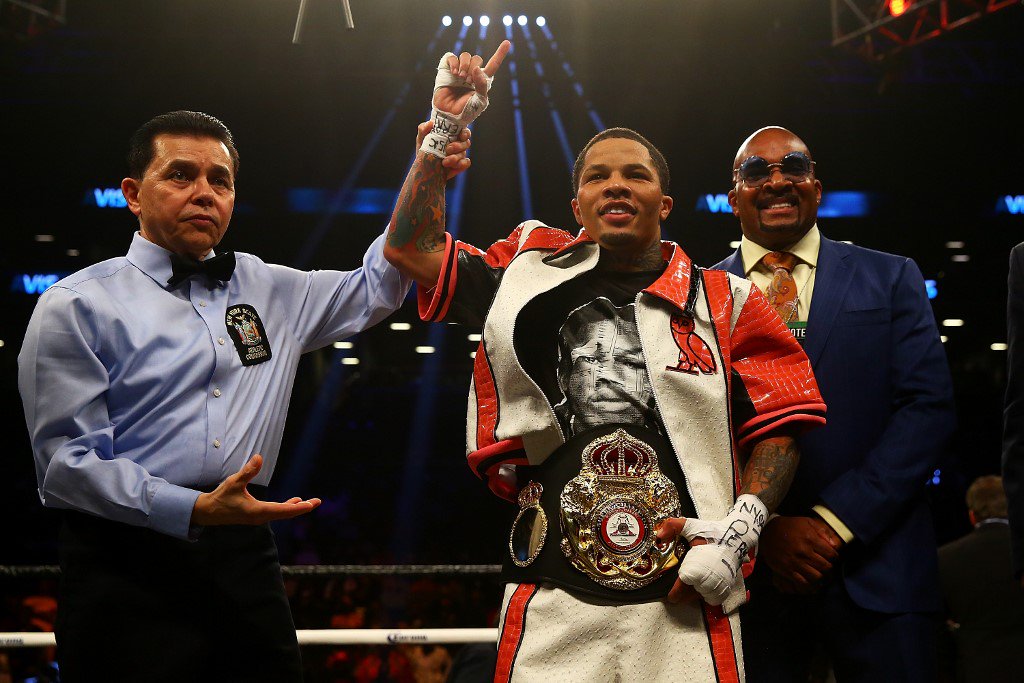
(754, 171)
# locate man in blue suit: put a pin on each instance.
(848, 569)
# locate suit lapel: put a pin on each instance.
(733, 264)
(831, 281)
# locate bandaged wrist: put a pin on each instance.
(446, 129)
(714, 568)
(743, 525)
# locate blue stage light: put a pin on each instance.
(844, 204)
(35, 283)
(541, 21)
(485, 20)
(507, 20)
(521, 20)
(467, 21)
(446, 20)
(105, 198)
(1013, 204)
(714, 203)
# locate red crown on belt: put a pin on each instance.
(622, 455)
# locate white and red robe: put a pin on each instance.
(756, 381)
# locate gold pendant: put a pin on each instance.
(530, 529)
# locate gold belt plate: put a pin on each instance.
(610, 509)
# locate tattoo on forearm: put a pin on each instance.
(419, 214)
(770, 470)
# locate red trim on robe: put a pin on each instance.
(512, 630)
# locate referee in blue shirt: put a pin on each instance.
(156, 387)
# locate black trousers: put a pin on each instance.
(136, 605)
(796, 638)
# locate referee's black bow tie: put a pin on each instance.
(219, 267)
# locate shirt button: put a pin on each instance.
(216, 392)
(216, 443)
(220, 340)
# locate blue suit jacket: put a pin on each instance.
(875, 350)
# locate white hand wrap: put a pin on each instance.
(447, 125)
(714, 568)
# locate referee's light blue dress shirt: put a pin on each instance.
(135, 394)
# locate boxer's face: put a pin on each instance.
(779, 212)
(619, 199)
(186, 195)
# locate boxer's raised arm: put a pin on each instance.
(416, 240)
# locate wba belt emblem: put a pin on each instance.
(609, 511)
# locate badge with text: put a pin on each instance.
(798, 330)
(246, 330)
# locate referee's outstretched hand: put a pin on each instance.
(231, 502)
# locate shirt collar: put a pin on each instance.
(806, 249)
(152, 259)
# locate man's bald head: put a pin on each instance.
(775, 210)
(774, 133)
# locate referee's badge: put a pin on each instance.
(246, 330)
(609, 513)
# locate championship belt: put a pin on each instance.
(609, 488)
(610, 509)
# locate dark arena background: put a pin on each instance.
(913, 120)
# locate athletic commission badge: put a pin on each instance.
(609, 511)
(694, 353)
(246, 330)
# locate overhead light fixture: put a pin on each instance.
(898, 7)
(485, 20)
(999, 346)
(425, 349)
(446, 20)
(401, 327)
(955, 245)
(960, 258)
(507, 20)
(541, 21)
(952, 322)
(467, 21)
(943, 339)
(521, 20)
(350, 361)
(45, 238)
(473, 337)
(343, 345)
(735, 244)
